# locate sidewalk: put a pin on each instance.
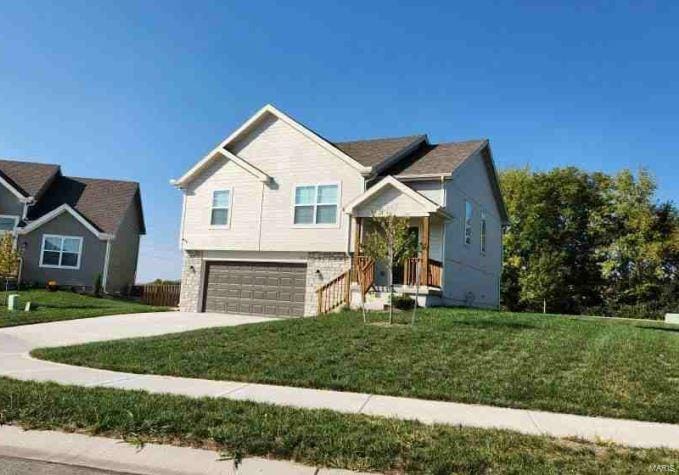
(16, 342)
(117, 456)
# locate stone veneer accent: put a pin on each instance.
(330, 265)
(190, 296)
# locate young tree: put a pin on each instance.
(9, 259)
(389, 242)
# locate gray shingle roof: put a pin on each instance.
(27, 177)
(434, 159)
(102, 202)
(372, 152)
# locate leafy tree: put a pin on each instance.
(589, 242)
(388, 241)
(10, 259)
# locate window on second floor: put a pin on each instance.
(8, 223)
(468, 213)
(484, 231)
(221, 208)
(316, 204)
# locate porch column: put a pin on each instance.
(424, 271)
(357, 248)
(357, 235)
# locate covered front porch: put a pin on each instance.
(422, 274)
(424, 270)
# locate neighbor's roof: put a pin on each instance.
(27, 178)
(435, 159)
(102, 202)
(372, 152)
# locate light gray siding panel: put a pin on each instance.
(122, 267)
(472, 277)
(91, 261)
(9, 203)
(430, 189)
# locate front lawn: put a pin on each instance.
(592, 367)
(52, 306)
(315, 437)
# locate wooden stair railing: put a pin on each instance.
(364, 268)
(334, 293)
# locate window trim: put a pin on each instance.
(483, 231)
(468, 226)
(315, 205)
(16, 221)
(229, 208)
(62, 237)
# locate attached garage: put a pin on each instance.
(258, 288)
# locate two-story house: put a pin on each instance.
(273, 219)
(70, 230)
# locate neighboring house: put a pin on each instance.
(71, 230)
(275, 212)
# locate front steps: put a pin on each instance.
(378, 299)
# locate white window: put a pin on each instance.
(468, 213)
(221, 208)
(8, 223)
(316, 204)
(63, 252)
(484, 231)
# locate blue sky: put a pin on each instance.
(142, 90)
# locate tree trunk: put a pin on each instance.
(417, 289)
(391, 286)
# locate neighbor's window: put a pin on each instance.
(61, 251)
(468, 211)
(8, 223)
(221, 204)
(316, 204)
(484, 230)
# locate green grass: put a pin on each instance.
(314, 437)
(582, 366)
(53, 306)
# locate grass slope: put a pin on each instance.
(591, 367)
(53, 306)
(315, 437)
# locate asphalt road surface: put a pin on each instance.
(19, 466)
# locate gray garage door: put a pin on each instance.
(260, 288)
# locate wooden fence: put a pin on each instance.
(160, 295)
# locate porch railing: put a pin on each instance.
(334, 293)
(432, 277)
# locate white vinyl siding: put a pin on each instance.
(221, 208)
(316, 205)
(262, 217)
(61, 252)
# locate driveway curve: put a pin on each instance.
(15, 362)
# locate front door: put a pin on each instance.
(399, 268)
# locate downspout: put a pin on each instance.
(104, 279)
(259, 224)
(30, 201)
